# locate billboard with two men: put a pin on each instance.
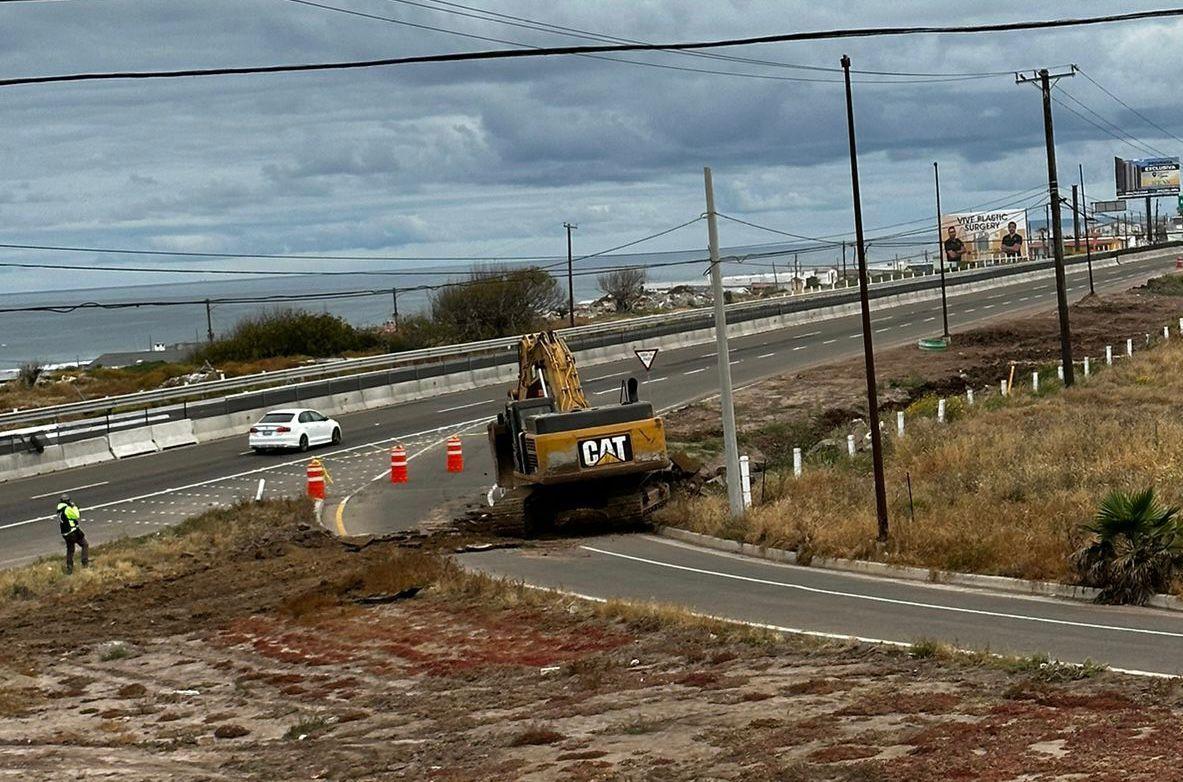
(973, 237)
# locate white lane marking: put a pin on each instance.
(854, 336)
(905, 325)
(733, 363)
(829, 342)
(462, 407)
(603, 377)
(708, 355)
(695, 371)
(929, 320)
(890, 600)
(972, 309)
(800, 347)
(450, 427)
(766, 355)
(1024, 298)
(67, 491)
(606, 391)
(1008, 302)
(988, 307)
(833, 636)
(810, 334)
(659, 379)
(885, 328)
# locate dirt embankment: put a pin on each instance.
(240, 648)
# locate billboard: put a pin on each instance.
(980, 236)
(1152, 176)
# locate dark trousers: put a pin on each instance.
(76, 538)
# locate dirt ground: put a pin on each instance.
(800, 408)
(255, 662)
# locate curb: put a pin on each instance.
(906, 573)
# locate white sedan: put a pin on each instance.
(296, 428)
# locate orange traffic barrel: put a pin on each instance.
(316, 480)
(455, 454)
(398, 464)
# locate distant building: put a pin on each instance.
(169, 354)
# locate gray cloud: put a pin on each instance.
(477, 158)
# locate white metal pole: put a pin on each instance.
(941, 410)
(1129, 347)
(797, 463)
(1109, 355)
(1060, 371)
(1035, 382)
(1002, 386)
(730, 446)
(259, 492)
(1166, 332)
(899, 423)
(1086, 366)
(745, 477)
(969, 396)
(850, 445)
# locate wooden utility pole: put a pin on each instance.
(936, 173)
(1044, 79)
(570, 277)
(864, 300)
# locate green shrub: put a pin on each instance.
(1134, 549)
(287, 332)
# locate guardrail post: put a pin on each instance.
(107, 419)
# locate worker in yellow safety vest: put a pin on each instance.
(68, 518)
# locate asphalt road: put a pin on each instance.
(829, 603)
(133, 496)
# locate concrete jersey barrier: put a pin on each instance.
(132, 442)
(174, 434)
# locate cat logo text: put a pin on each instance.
(601, 451)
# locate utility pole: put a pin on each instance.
(1075, 221)
(209, 322)
(936, 173)
(864, 300)
(844, 262)
(1088, 242)
(730, 445)
(570, 276)
(394, 295)
(796, 272)
(1053, 186)
(1047, 230)
(1149, 230)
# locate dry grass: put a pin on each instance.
(1001, 490)
(152, 557)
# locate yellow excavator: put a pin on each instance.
(560, 461)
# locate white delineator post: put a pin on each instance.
(1035, 382)
(745, 479)
(850, 445)
(259, 491)
(1109, 355)
(969, 396)
(1181, 326)
(899, 423)
(1060, 371)
(1129, 347)
(730, 445)
(1086, 366)
(797, 463)
(1166, 332)
(1002, 386)
(941, 410)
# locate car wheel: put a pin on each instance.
(303, 443)
(336, 436)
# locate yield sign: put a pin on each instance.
(646, 357)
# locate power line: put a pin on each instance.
(1143, 117)
(1133, 141)
(866, 32)
(1142, 149)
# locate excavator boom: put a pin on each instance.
(546, 368)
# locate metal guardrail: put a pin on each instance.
(350, 375)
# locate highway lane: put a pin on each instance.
(830, 603)
(678, 376)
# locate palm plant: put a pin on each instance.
(1134, 547)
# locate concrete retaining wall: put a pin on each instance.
(173, 434)
(55, 458)
(84, 452)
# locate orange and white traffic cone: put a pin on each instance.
(316, 480)
(455, 454)
(398, 464)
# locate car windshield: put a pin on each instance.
(276, 418)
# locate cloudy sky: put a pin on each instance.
(490, 158)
